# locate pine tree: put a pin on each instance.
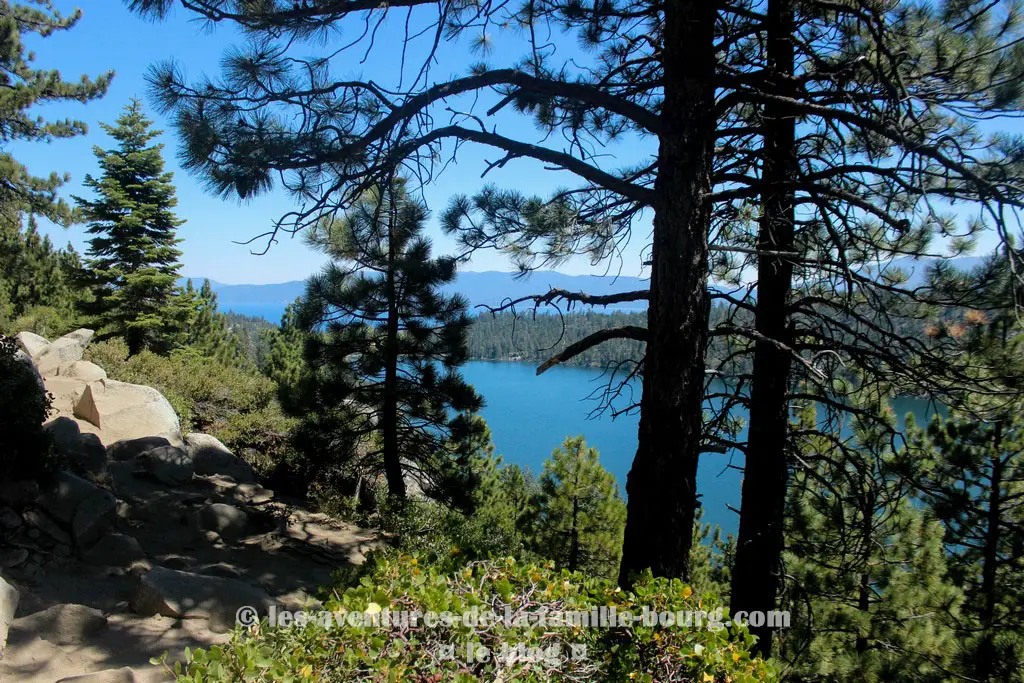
(38, 281)
(973, 480)
(285, 363)
(24, 87)
(870, 596)
(580, 515)
(133, 257)
(385, 347)
(207, 329)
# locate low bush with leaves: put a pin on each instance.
(452, 649)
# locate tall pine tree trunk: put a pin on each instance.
(990, 557)
(389, 418)
(662, 481)
(574, 549)
(756, 575)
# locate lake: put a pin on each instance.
(530, 416)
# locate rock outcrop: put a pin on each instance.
(115, 550)
(65, 624)
(83, 370)
(227, 521)
(184, 595)
(67, 349)
(31, 343)
(168, 464)
(84, 453)
(85, 508)
(128, 411)
(149, 543)
(26, 360)
(210, 456)
(9, 597)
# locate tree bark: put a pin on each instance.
(574, 548)
(756, 576)
(662, 481)
(389, 416)
(990, 556)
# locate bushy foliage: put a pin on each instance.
(37, 291)
(235, 404)
(449, 537)
(27, 452)
(318, 651)
(580, 515)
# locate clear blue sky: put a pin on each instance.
(110, 37)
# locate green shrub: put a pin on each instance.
(27, 452)
(236, 404)
(48, 321)
(205, 392)
(319, 651)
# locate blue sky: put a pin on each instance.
(110, 37)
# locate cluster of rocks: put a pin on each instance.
(133, 475)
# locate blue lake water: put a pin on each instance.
(530, 416)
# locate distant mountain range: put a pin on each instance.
(491, 288)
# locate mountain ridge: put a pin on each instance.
(493, 287)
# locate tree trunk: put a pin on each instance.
(990, 557)
(662, 481)
(574, 548)
(756, 576)
(389, 416)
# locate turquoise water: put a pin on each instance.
(530, 416)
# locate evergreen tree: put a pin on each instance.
(385, 347)
(207, 329)
(801, 140)
(580, 515)
(133, 257)
(646, 81)
(870, 596)
(25, 87)
(500, 517)
(971, 471)
(38, 281)
(973, 480)
(285, 363)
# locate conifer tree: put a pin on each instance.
(973, 480)
(971, 467)
(870, 596)
(802, 140)
(133, 255)
(207, 329)
(870, 123)
(25, 86)
(642, 74)
(35, 274)
(580, 515)
(285, 363)
(384, 350)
